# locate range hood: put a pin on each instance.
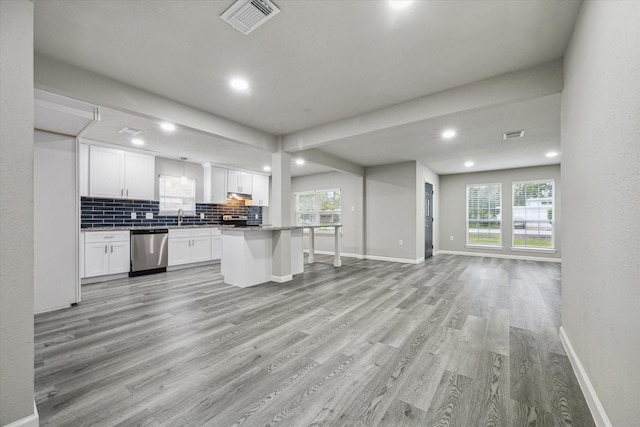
(238, 196)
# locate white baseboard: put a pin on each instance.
(401, 260)
(32, 420)
(490, 255)
(595, 406)
(342, 254)
(282, 279)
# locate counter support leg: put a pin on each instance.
(312, 245)
(337, 262)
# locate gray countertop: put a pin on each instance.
(224, 227)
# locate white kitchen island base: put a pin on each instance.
(247, 255)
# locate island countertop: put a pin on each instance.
(277, 228)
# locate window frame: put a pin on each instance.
(500, 220)
(552, 248)
(174, 212)
(317, 211)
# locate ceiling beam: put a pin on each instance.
(65, 79)
(516, 86)
(330, 161)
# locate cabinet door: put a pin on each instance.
(179, 250)
(96, 259)
(119, 257)
(232, 181)
(216, 247)
(139, 176)
(215, 185)
(200, 249)
(260, 195)
(106, 172)
(245, 182)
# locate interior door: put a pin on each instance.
(428, 220)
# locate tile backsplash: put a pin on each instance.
(97, 212)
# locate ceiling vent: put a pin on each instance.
(513, 135)
(247, 15)
(129, 131)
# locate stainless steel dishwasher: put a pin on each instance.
(149, 251)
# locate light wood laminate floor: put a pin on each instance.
(455, 341)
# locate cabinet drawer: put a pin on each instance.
(200, 232)
(177, 234)
(106, 236)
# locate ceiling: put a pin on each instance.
(317, 62)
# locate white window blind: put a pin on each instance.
(177, 193)
(484, 215)
(318, 208)
(533, 214)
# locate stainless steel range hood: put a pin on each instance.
(239, 196)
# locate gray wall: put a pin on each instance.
(453, 189)
(390, 211)
(351, 194)
(16, 210)
(601, 206)
(173, 167)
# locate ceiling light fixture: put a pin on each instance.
(137, 141)
(169, 127)
(399, 4)
(468, 164)
(266, 168)
(299, 162)
(239, 84)
(551, 154)
(448, 134)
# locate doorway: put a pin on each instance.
(428, 220)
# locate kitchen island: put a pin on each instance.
(248, 253)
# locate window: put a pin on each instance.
(484, 203)
(177, 193)
(318, 208)
(533, 215)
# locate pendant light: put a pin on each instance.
(184, 169)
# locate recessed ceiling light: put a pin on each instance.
(137, 141)
(399, 4)
(266, 168)
(551, 154)
(468, 164)
(169, 127)
(239, 84)
(449, 133)
(299, 161)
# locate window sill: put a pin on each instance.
(546, 250)
(496, 248)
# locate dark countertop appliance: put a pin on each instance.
(149, 251)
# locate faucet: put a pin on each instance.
(180, 215)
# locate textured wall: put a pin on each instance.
(453, 200)
(601, 203)
(16, 210)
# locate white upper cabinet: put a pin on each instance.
(120, 174)
(260, 195)
(239, 182)
(139, 174)
(215, 185)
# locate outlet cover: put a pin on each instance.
(401, 242)
(149, 215)
(450, 237)
(256, 216)
(201, 215)
(134, 215)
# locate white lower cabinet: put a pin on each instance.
(105, 253)
(188, 246)
(216, 243)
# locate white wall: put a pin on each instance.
(390, 212)
(55, 222)
(453, 201)
(351, 195)
(601, 204)
(16, 211)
